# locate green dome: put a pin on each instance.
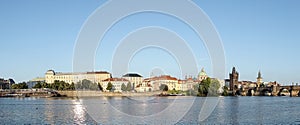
(202, 73)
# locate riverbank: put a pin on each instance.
(88, 93)
(99, 93)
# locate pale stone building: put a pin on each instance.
(187, 84)
(145, 86)
(116, 82)
(33, 82)
(157, 81)
(96, 77)
(134, 78)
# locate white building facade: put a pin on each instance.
(134, 78)
(116, 84)
(96, 77)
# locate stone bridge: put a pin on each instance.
(293, 91)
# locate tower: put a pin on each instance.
(234, 78)
(259, 79)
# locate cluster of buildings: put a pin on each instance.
(6, 84)
(259, 87)
(138, 83)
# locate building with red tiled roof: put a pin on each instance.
(157, 81)
(187, 84)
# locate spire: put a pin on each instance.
(233, 70)
(259, 75)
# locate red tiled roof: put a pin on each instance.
(163, 77)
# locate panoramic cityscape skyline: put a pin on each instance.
(257, 35)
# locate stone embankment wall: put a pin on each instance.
(99, 93)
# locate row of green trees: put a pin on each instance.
(208, 87)
(127, 87)
(110, 87)
(22, 85)
(57, 85)
(88, 85)
(61, 85)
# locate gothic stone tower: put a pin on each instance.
(234, 78)
(259, 79)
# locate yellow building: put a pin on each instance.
(187, 84)
(182, 85)
(157, 81)
(96, 77)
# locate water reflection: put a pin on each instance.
(230, 110)
(79, 112)
(123, 110)
(49, 113)
(140, 106)
(233, 106)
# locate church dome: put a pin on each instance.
(202, 73)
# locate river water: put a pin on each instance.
(228, 110)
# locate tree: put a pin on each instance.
(45, 85)
(100, 87)
(123, 87)
(37, 85)
(93, 86)
(129, 88)
(60, 86)
(163, 87)
(55, 85)
(109, 86)
(225, 91)
(72, 86)
(209, 87)
(22, 85)
(86, 84)
(78, 85)
(204, 86)
(166, 88)
(214, 86)
(201, 90)
(192, 92)
(196, 87)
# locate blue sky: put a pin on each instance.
(257, 35)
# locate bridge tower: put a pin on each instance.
(234, 78)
